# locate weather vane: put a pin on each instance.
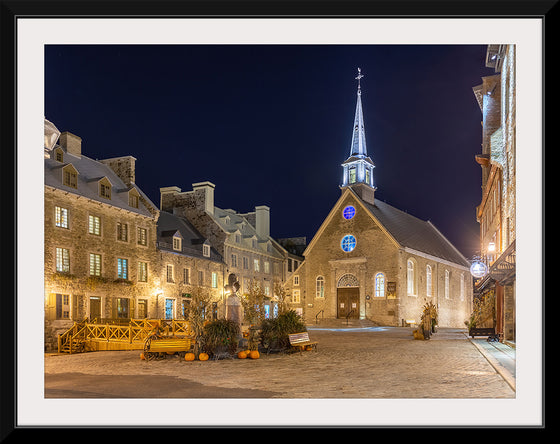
(359, 76)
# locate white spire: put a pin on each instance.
(358, 146)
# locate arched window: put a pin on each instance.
(462, 289)
(379, 285)
(428, 280)
(411, 277)
(446, 284)
(320, 287)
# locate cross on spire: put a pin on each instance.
(358, 77)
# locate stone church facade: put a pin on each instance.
(370, 260)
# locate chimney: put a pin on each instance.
(71, 142)
(263, 221)
(124, 167)
(167, 198)
(208, 196)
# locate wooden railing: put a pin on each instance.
(137, 330)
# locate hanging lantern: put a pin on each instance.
(478, 269)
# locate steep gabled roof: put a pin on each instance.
(414, 233)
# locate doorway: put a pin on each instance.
(348, 302)
(94, 307)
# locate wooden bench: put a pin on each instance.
(301, 341)
(158, 347)
(485, 331)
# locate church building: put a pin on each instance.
(370, 260)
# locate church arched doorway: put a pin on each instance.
(348, 297)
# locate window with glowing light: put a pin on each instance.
(348, 243)
(379, 285)
(349, 212)
(352, 175)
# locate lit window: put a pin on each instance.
(368, 176)
(142, 271)
(428, 280)
(352, 174)
(349, 212)
(267, 267)
(94, 264)
(94, 225)
(379, 285)
(348, 243)
(214, 280)
(410, 277)
(206, 250)
(61, 217)
(62, 260)
(320, 287)
(256, 264)
(122, 268)
(296, 297)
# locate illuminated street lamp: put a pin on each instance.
(478, 268)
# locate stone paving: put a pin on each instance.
(375, 362)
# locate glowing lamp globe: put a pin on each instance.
(478, 269)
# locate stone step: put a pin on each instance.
(343, 323)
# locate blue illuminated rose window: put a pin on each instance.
(348, 243)
(349, 212)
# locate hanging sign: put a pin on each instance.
(478, 269)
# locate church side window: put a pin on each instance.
(379, 285)
(320, 287)
(428, 280)
(411, 278)
(446, 284)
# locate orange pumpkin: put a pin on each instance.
(254, 354)
(189, 357)
(242, 355)
(203, 357)
(142, 356)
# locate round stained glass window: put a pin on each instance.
(349, 212)
(348, 243)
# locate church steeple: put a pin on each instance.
(358, 168)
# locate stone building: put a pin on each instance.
(370, 260)
(189, 264)
(242, 239)
(496, 212)
(106, 253)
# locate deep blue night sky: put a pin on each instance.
(271, 124)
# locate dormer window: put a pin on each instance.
(177, 243)
(105, 188)
(133, 198)
(206, 250)
(58, 154)
(70, 176)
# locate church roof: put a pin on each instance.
(412, 232)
